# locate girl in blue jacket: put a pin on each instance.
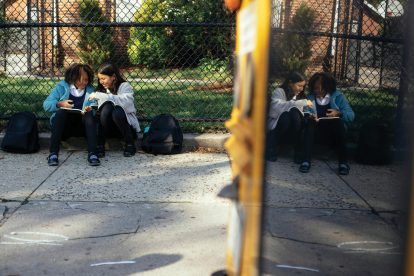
(68, 95)
(327, 121)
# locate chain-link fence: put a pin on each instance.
(360, 42)
(178, 54)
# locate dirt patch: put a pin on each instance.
(207, 150)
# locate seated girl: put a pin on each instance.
(117, 110)
(72, 93)
(327, 121)
(286, 114)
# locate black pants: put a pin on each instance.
(113, 123)
(66, 124)
(329, 132)
(289, 126)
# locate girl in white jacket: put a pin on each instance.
(286, 114)
(117, 112)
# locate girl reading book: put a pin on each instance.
(330, 114)
(286, 114)
(116, 107)
(72, 112)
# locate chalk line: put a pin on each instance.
(298, 267)
(112, 263)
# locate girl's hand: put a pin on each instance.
(87, 109)
(65, 104)
(309, 103)
(312, 116)
(333, 113)
(92, 96)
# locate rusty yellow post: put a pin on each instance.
(246, 145)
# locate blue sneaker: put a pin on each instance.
(343, 169)
(305, 167)
(93, 159)
(52, 159)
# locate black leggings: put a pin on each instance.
(331, 132)
(66, 124)
(288, 125)
(114, 123)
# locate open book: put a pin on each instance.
(75, 110)
(328, 118)
(319, 118)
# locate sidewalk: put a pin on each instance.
(159, 215)
(146, 215)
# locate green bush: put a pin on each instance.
(181, 46)
(95, 43)
(295, 48)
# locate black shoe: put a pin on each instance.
(100, 151)
(343, 169)
(304, 167)
(52, 159)
(93, 159)
(271, 158)
(129, 150)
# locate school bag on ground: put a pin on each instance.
(164, 136)
(22, 135)
(374, 145)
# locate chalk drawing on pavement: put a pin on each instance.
(28, 238)
(112, 263)
(367, 246)
(297, 267)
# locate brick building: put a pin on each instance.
(47, 49)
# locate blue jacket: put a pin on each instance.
(339, 102)
(61, 92)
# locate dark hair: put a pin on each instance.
(73, 73)
(328, 82)
(109, 69)
(293, 77)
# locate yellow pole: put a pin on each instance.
(246, 145)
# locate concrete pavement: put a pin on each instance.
(147, 215)
(159, 215)
(324, 224)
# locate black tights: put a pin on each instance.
(66, 124)
(113, 121)
(289, 123)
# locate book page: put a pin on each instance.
(73, 109)
(328, 118)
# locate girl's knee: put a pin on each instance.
(118, 114)
(89, 118)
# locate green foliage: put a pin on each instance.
(181, 46)
(95, 43)
(295, 49)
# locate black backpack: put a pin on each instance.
(22, 135)
(164, 136)
(374, 145)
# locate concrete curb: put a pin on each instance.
(191, 141)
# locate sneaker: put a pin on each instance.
(304, 167)
(343, 169)
(100, 150)
(93, 159)
(129, 150)
(52, 159)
